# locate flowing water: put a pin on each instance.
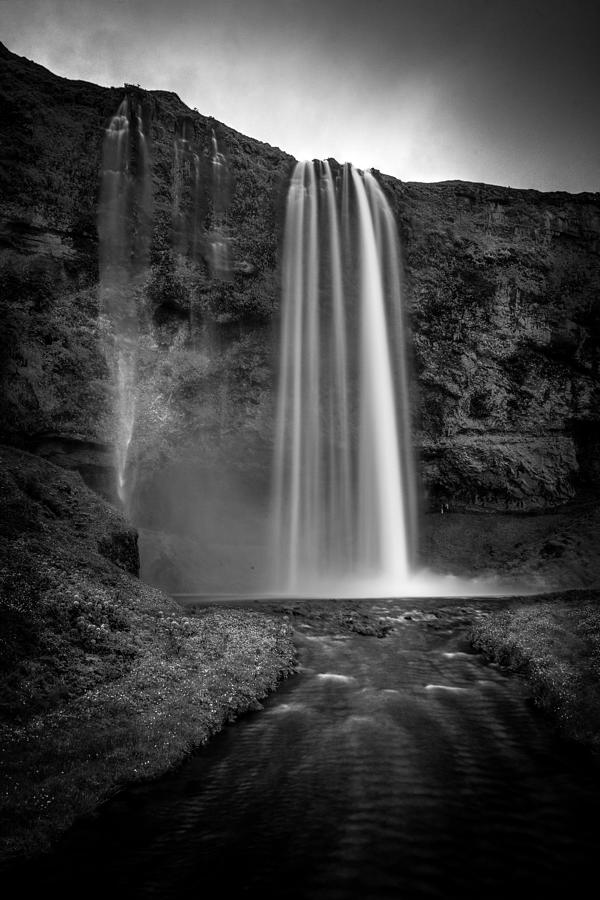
(124, 229)
(343, 510)
(188, 192)
(219, 257)
(400, 767)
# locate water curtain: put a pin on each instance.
(344, 498)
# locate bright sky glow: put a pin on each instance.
(498, 91)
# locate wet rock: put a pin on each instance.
(367, 625)
(94, 460)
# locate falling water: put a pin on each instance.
(180, 146)
(218, 242)
(344, 509)
(188, 192)
(124, 235)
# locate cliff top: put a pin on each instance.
(36, 87)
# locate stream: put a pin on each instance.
(393, 767)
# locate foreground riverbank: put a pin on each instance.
(397, 763)
(191, 677)
(553, 641)
(103, 680)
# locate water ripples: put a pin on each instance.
(392, 768)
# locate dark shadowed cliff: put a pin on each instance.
(502, 288)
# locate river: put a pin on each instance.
(394, 767)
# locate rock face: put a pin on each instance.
(502, 289)
(43, 504)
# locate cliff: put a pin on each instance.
(57, 394)
(501, 288)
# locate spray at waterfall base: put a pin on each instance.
(344, 505)
(344, 518)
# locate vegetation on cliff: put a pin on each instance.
(53, 369)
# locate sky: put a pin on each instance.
(499, 91)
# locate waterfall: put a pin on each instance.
(218, 241)
(343, 501)
(199, 177)
(188, 193)
(124, 231)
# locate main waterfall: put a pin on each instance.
(344, 518)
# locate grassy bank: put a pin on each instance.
(192, 676)
(554, 642)
(103, 680)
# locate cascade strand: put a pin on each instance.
(343, 485)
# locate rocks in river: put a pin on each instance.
(360, 623)
(346, 615)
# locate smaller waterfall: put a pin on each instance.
(201, 190)
(124, 231)
(344, 506)
(189, 208)
(218, 240)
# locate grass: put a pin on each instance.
(193, 676)
(554, 642)
(103, 679)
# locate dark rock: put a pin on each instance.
(366, 625)
(121, 547)
(42, 502)
(93, 460)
